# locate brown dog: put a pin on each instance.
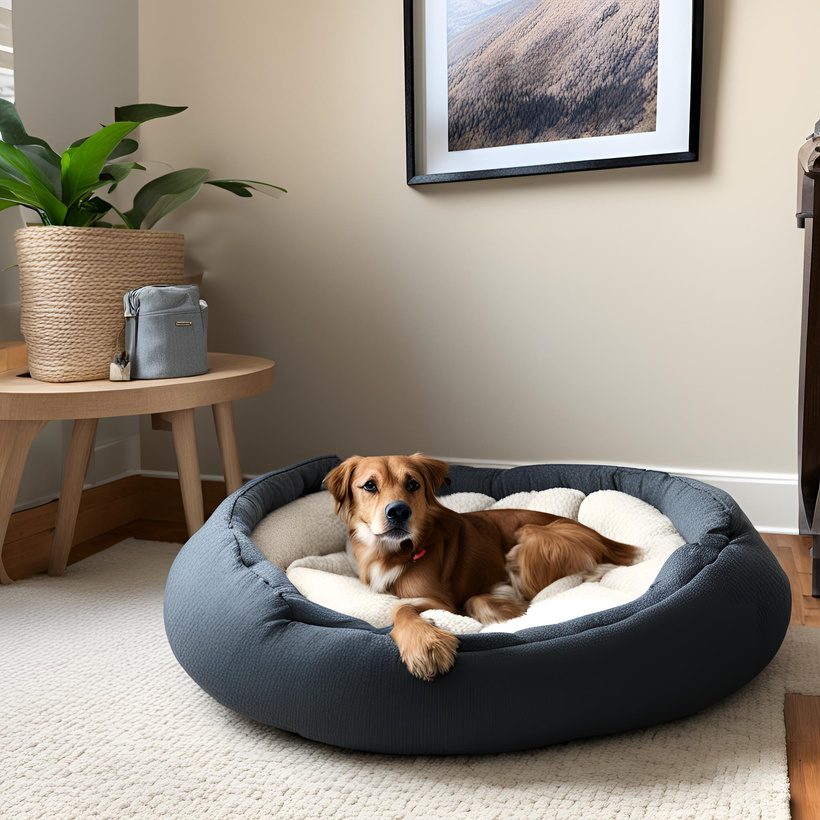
(487, 565)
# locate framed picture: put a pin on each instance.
(501, 88)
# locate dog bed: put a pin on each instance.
(711, 620)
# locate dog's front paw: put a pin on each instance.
(428, 651)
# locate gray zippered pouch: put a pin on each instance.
(166, 332)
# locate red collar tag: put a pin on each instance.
(419, 554)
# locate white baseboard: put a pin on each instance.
(769, 499)
(205, 476)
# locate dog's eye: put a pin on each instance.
(370, 486)
(413, 485)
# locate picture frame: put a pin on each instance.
(530, 88)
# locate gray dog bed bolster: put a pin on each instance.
(712, 620)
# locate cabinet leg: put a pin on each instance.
(16, 438)
(76, 467)
(190, 480)
(226, 436)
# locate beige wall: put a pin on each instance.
(645, 316)
(73, 62)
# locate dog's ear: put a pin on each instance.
(338, 482)
(433, 470)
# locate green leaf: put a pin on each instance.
(49, 164)
(86, 212)
(124, 218)
(15, 162)
(163, 194)
(81, 165)
(38, 151)
(243, 187)
(118, 171)
(22, 174)
(12, 175)
(19, 191)
(8, 200)
(12, 188)
(11, 126)
(123, 149)
(12, 130)
(8, 195)
(234, 187)
(142, 112)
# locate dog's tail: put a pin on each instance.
(617, 553)
(547, 552)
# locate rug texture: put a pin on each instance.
(99, 721)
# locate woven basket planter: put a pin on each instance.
(72, 281)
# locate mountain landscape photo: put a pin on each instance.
(524, 71)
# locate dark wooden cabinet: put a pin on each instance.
(808, 425)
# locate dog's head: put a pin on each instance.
(387, 500)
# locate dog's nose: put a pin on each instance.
(397, 511)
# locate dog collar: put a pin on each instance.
(419, 554)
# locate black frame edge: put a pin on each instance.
(692, 155)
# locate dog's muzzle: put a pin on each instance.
(397, 513)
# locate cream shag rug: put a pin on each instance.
(99, 721)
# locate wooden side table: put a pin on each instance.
(27, 405)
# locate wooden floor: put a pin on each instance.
(133, 507)
(802, 713)
(793, 553)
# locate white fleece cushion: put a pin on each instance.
(628, 519)
(330, 581)
(557, 501)
(309, 540)
(623, 518)
(307, 526)
(467, 502)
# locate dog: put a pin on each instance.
(487, 565)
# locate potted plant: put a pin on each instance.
(76, 266)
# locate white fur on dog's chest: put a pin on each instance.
(371, 569)
(381, 579)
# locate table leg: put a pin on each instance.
(226, 436)
(190, 480)
(76, 467)
(16, 438)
